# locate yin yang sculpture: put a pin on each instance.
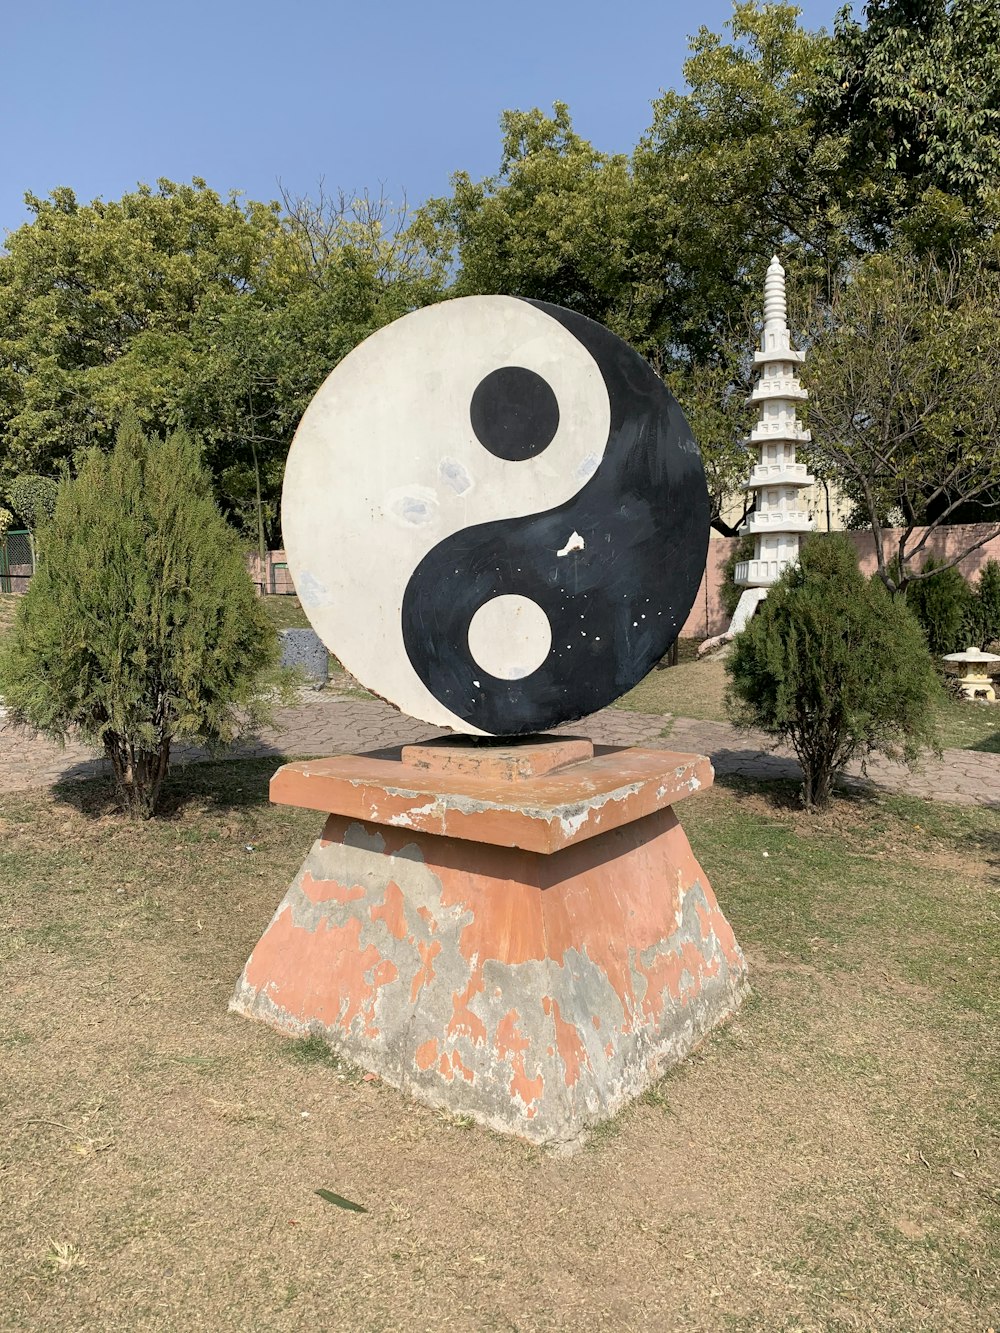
(495, 515)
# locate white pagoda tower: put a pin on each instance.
(779, 517)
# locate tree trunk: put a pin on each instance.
(138, 774)
(817, 783)
(261, 540)
(818, 764)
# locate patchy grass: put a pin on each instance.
(827, 1162)
(969, 726)
(285, 612)
(690, 689)
(8, 605)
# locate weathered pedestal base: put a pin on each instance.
(539, 987)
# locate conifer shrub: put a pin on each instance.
(942, 604)
(982, 625)
(140, 625)
(834, 667)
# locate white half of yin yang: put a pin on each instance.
(385, 465)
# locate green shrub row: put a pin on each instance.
(954, 613)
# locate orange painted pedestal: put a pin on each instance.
(519, 933)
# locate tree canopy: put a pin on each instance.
(904, 374)
(918, 98)
(219, 316)
(97, 304)
(223, 316)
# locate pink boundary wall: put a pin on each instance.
(707, 615)
(274, 577)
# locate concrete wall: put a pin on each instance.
(943, 543)
(707, 616)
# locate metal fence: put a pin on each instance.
(16, 561)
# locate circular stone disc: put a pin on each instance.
(495, 515)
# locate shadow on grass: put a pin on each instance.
(987, 843)
(785, 792)
(217, 785)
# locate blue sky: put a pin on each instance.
(100, 94)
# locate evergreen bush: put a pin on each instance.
(982, 624)
(833, 666)
(141, 624)
(942, 605)
(34, 498)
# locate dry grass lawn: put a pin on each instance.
(829, 1162)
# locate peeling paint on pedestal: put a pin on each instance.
(537, 993)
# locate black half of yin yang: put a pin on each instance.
(615, 605)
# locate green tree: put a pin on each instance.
(982, 624)
(97, 303)
(140, 625)
(833, 666)
(554, 224)
(348, 267)
(34, 499)
(741, 164)
(917, 92)
(219, 316)
(904, 409)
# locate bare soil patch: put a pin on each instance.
(827, 1162)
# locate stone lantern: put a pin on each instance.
(974, 674)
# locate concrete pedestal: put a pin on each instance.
(518, 933)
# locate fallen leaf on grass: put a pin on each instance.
(340, 1201)
(88, 1147)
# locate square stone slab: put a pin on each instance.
(425, 789)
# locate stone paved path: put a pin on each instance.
(327, 723)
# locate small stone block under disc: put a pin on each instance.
(513, 761)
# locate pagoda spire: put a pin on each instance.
(775, 308)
